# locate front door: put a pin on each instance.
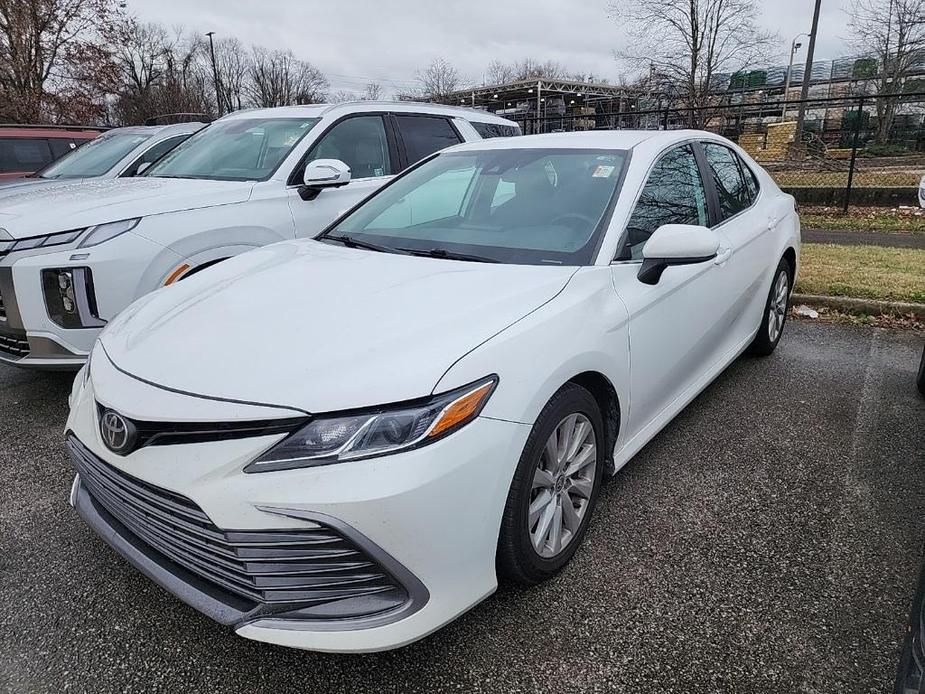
(362, 144)
(675, 331)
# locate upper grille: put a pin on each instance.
(14, 346)
(2, 308)
(295, 568)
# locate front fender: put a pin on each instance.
(584, 328)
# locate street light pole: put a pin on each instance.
(794, 47)
(218, 93)
(807, 78)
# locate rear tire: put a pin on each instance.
(554, 490)
(921, 379)
(775, 313)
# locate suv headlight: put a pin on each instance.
(352, 436)
(8, 244)
(104, 232)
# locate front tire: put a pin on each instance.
(775, 313)
(554, 490)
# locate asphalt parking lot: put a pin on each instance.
(767, 541)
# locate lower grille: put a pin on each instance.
(14, 346)
(280, 570)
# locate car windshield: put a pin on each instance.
(94, 158)
(522, 206)
(242, 149)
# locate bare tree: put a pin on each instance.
(278, 78)
(692, 43)
(45, 47)
(894, 32)
(438, 80)
(233, 63)
(340, 96)
(372, 92)
(499, 73)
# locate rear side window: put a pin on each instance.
(736, 190)
(424, 135)
(24, 154)
(489, 130)
(674, 194)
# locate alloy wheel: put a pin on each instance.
(562, 485)
(777, 311)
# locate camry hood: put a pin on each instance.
(321, 328)
(37, 210)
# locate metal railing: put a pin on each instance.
(861, 150)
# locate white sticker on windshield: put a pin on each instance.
(603, 171)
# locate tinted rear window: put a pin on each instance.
(424, 135)
(24, 154)
(489, 130)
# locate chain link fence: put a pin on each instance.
(865, 151)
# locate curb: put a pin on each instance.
(869, 306)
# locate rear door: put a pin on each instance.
(366, 144)
(747, 223)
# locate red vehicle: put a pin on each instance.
(25, 149)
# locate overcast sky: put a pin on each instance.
(357, 41)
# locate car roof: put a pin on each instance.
(175, 129)
(593, 139)
(319, 110)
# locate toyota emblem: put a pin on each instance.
(118, 433)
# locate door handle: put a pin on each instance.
(772, 222)
(722, 255)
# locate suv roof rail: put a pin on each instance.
(55, 126)
(178, 118)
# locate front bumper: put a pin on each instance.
(123, 269)
(429, 517)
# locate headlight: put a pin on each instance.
(351, 436)
(104, 232)
(8, 245)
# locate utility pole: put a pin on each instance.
(807, 78)
(218, 92)
(794, 47)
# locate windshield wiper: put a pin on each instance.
(351, 242)
(444, 254)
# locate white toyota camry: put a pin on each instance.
(342, 443)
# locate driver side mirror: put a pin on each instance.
(321, 174)
(326, 173)
(676, 244)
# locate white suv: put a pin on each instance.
(73, 257)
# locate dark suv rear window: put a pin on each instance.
(24, 154)
(489, 130)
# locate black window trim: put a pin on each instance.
(707, 187)
(712, 185)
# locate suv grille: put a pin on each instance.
(14, 346)
(2, 309)
(295, 568)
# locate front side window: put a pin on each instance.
(423, 135)
(96, 157)
(360, 143)
(154, 153)
(731, 186)
(673, 194)
(23, 154)
(520, 206)
(241, 149)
